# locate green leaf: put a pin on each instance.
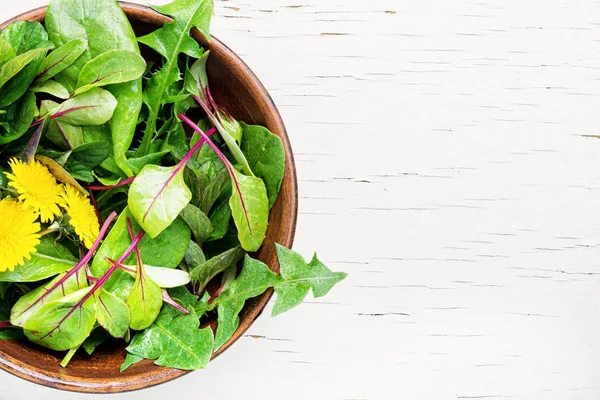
(266, 156)
(157, 196)
(60, 59)
(13, 66)
(52, 88)
(136, 164)
(251, 216)
(6, 51)
(194, 255)
(7, 333)
(130, 360)
(64, 323)
(254, 279)
(206, 271)
(300, 276)
(169, 41)
(166, 250)
(164, 277)
(64, 135)
(96, 338)
(28, 304)
(94, 107)
(144, 301)
(115, 66)
(59, 172)
(220, 217)
(214, 189)
(175, 342)
(17, 119)
(198, 222)
(91, 154)
(49, 259)
(105, 28)
(23, 36)
(112, 314)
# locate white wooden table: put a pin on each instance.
(446, 160)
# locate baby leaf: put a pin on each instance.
(17, 119)
(49, 259)
(6, 51)
(31, 302)
(254, 279)
(266, 156)
(164, 277)
(130, 359)
(94, 107)
(250, 210)
(214, 189)
(157, 196)
(65, 135)
(206, 271)
(169, 41)
(13, 66)
(175, 341)
(60, 59)
(138, 163)
(112, 314)
(63, 324)
(300, 276)
(53, 88)
(115, 66)
(198, 222)
(144, 301)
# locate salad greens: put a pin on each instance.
(134, 202)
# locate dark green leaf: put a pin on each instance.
(198, 222)
(96, 338)
(205, 272)
(138, 163)
(17, 119)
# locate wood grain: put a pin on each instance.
(444, 161)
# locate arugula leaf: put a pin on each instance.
(169, 41)
(175, 341)
(64, 323)
(59, 59)
(94, 107)
(266, 156)
(206, 271)
(300, 276)
(49, 259)
(112, 314)
(198, 222)
(115, 66)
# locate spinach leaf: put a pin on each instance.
(198, 222)
(220, 183)
(300, 276)
(17, 119)
(49, 259)
(59, 59)
(194, 255)
(53, 88)
(157, 196)
(94, 107)
(175, 341)
(6, 51)
(115, 66)
(220, 216)
(105, 27)
(169, 41)
(205, 272)
(16, 64)
(63, 324)
(266, 156)
(112, 314)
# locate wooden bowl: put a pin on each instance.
(235, 87)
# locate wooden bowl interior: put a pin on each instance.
(236, 88)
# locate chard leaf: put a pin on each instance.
(266, 156)
(198, 222)
(63, 324)
(112, 314)
(94, 107)
(31, 302)
(206, 271)
(169, 41)
(250, 210)
(144, 301)
(59, 59)
(53, 88)
(64, 135)
(23, 36)
(157, 196)
(49, 259)
(175, 341)
(115, 66)
(17, 119)
(254, 279)
(13, 66)
(300, 276)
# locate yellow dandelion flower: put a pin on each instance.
(19, 234)
(83, 215)
(36, 187)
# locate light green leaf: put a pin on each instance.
(60, 59)
(64, 135)
(157, 196)
(144, 301)
(250, 210)
(164, 277)
(112, 314)
(6, 51)
(16, 64)
(53, 88)
(115, 66)
(94, 107)
(130, 359)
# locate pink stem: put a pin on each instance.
(167, 299)
(118, 185)
(7, 324)
(96, 211)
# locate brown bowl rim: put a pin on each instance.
(161, 375)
